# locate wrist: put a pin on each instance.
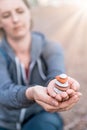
(29, 93)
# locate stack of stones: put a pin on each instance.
(61, 83)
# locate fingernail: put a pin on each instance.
(53, 94)
(80, 94)
(54, 103)
(75, 97)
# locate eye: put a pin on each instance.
(6, 15)
(19, 10)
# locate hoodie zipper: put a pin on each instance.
(22, 113)
(20, 69)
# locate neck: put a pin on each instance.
(21, 45)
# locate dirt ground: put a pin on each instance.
(68, 25)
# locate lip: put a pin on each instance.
(18, 27)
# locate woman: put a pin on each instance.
(28, 63)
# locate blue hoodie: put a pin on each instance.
(47, 61)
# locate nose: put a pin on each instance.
(15, 18)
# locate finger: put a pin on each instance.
(64, 96)
(79, 94)
(49, 100)
(73, 104)
(69, 102)
(44, 97)
(70, 92)
(47, 107)
(58, 97)
(50, 88)
(51, 91)
(66, 108)
(73, 84)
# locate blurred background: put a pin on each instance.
(65, 21)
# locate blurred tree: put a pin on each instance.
(33, 2)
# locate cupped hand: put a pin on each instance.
(74, 87)
(40, 96)
(52, 93)
(70, 103)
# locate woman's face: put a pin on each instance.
(15, 18)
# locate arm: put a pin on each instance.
(15, 96)
(54, 58)
(52, 104)
(71, 91)
(11, 94)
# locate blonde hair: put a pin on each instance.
(26, 2)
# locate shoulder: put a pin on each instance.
(38, 41)
(44, 44)
(38, 36)
(52, 47)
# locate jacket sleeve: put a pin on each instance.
(11, 95)
(54, 57)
